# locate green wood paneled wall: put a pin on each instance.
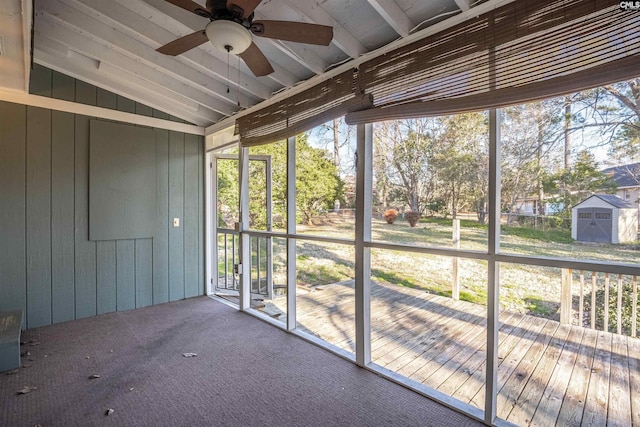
(48, 265)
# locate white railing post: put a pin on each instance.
(565, 296)
(455, 291)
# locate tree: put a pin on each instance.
(460, 155)
(228, 185)
(626, 141)
(531, 148)
(581, 181)
(277, 152)
(403, 152)
(318, 182)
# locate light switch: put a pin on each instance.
(176, 222)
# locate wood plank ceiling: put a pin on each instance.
(112, 43)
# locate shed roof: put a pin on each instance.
(614, 201)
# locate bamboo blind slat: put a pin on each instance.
(310, 108)
(522, 52)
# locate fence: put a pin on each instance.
(542, 222)
(605, 301)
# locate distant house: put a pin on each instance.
(531, 206)
(627, 177)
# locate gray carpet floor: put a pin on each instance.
(246, 372)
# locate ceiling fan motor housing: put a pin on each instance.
(228, 36)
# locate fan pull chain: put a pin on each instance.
(228, 68)
(238, 94)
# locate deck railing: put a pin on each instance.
(603, 298)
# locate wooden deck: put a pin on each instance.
(549, 374)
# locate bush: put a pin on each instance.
(553, 221)
(390, 215)
(627, 307)
(412, 217)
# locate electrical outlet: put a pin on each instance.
(176, 222)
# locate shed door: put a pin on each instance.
(595, 225)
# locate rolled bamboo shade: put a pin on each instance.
(312, 107)
(524, 51)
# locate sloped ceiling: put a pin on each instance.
(111, 44)
(15, 44)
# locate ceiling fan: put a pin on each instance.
(231, 26)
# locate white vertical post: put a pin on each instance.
(455, 291)
(634, 307)
(493, 298)
(593, 299)
(565, 296)
(269, 240)
(245, 239)
(364, 172)
(619, 306)
(291, 230)
(606, 302)
(210, 222)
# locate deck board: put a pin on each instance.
(461, 363)
(525, 365)
(634, 379)
(595, 412)
(528, 400)
(548, 373)
(575, 398)
(619, 413)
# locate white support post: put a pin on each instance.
(364, 172)
(210, 215)
(493, 282)
(244, 241)
(291, 230)
(269, 254)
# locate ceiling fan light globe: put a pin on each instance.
(228, 36)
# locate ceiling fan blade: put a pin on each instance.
(256, 61)
(191, 6)
(184, 44)
(246, 7)
(300, 32)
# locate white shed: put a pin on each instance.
(604, 218)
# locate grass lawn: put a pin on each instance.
(523, 288)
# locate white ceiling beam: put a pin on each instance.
(487, 6)
(14, 59)
(225, 103)
(302, 55)
(53, 28)
(180, 23)
(93, 111)
(316, 14)
(394, 15)
(77, 61)
(464, 5)
(135, 93)
(147, 25)
(27, 36)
